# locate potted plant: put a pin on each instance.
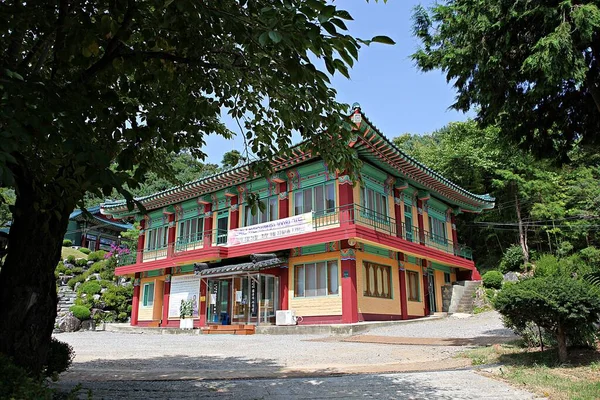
(185, 311)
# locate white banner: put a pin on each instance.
(291, 226)
(185, 287)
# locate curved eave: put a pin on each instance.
(375, 143)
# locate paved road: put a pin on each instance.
(424, 385)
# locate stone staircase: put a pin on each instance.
(66, 298)
(463, 297)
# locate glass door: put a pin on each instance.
(431, 284)
(218, 302)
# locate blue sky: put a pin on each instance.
(395, 96)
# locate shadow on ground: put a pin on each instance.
(183, 377)
(578, 357)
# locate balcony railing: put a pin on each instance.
(325, 219)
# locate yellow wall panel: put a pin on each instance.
(154, 312)
(415, 307)
(375, 305)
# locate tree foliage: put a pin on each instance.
(531, 68)
(564, 306)
(95, 95)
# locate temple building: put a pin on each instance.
(94, 231)
(330, 249)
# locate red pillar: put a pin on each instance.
(349, 294)
(398, 212)
(454, 234)
(284, 201)
(283, 288)
(135, 302)
(171, 236)
(425, 288)
(346, 191)
(140, 246)
(208, 225)
(166, 297)
(403, 295)
(234, 218)
(420, 222)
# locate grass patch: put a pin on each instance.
(68, 251)
(541, 372)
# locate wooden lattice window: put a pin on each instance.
(377, 280)
(412, 278)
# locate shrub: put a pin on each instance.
(566, 307)
(60, 268)
(118, 298)
(15, 383)
(60, 358)
(81, 262)
(67, 243)
(80, 312)
(85, 250)
(90, 288)
(591, 256)
(75, 279)
(546, 265)
(76, 270)
(492, 279)
(71, 260)
(97, 267)
(512, 260)
(96, 255)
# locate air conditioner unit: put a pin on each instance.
(285, 317)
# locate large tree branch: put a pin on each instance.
(63, 10)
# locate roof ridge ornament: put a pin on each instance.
(357, 114)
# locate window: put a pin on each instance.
(316, 279)
(447, 278)
(269, 214)
(413, 285)
(408, 224)
(157, 238)
(320, 199)
(222, 226)
(438, 230)
(190, 230)
(148, 295)
(377, 280)
(375, 202)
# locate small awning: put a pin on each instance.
(244, 268)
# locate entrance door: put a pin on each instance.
(431, 283)
(218, 305)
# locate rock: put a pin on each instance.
(102, 291)
(88, 325)
(511, 277)
(90, 263)
(68, 265)
(77, 285)
(96, 297)
(69, 323)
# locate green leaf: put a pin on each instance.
(263, 38)
(275, 36)
(382, 39)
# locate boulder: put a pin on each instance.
(69, 323)
(88, 325)
(511, 277)
(96, 297)
(77, 285)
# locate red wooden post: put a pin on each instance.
(420, 222)
(346, 191)
(284, 201)
(403, 295)
(202, 303)
(135, 302)
(171, 236)
(349, 295)
(454, 234)
(234, 219)
(398, 211)
(208, 225)
(283, 288)
(140, 246)
(166, 297)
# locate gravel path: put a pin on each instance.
(484, 324)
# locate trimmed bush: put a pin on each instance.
(546, 265)
(75, 279)
(565, 307)
(90, 288)
(67, 243)
(71, 259)
(60, 358)
(85, 250)
(492, 279)
(80, 312)
(96, 255)
(77, 270)
(81, 262)
(60, 268)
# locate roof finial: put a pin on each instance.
(356, 107)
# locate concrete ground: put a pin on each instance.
(135, 365)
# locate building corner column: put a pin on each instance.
(234, 215)
(346, 200)
(171, 236)
(349, 289)
(135, 301)
(208, 225)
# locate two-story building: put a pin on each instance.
(94, 230)
(332, 250)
